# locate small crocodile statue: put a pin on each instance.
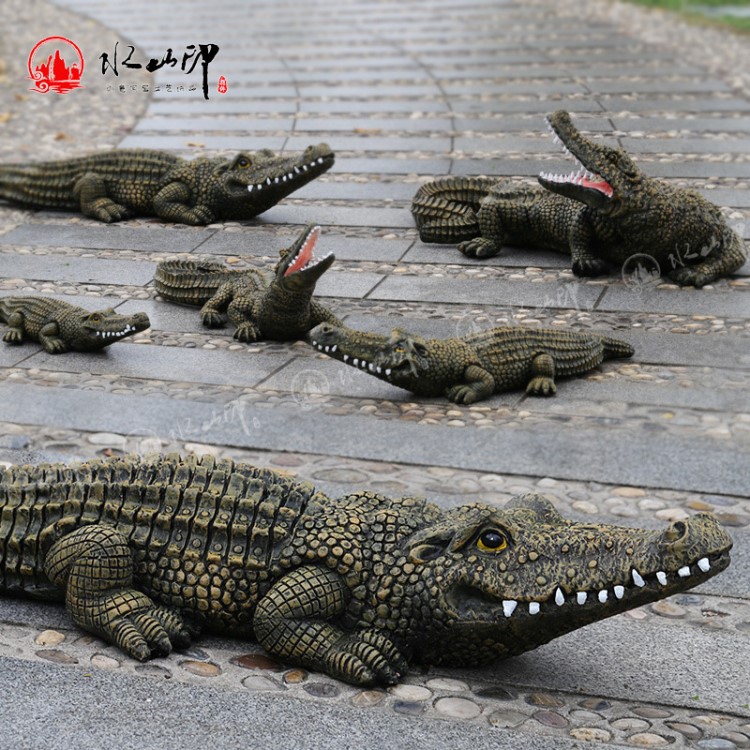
(259, 305)
(60, 327)
(470, 368)
(604, 214)
(147, 551)
(119, 184)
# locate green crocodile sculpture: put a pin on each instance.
(116, 185)
(259, 305)
(59, 326)
(147, 551)
(473, 367)
(605, 213)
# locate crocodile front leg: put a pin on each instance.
(213, 312)
(15, 332)
(172, 203)
(95, 567)
(243, 313)
(581, 240)
(492, 233)
(542, 381)
(91, 190)
(49, 338)
(723, 260)
(478, 386)
(290, 622)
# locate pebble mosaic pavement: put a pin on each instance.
(404, 91)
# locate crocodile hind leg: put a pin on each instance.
(542, 381)
(91, 190)
(95, 567)
(290, 622)
(492, 234)
(725, 259)
(172, 203)
(15, 332)
(49, 338)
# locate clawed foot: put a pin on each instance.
(247, 332)
(55, 346)
(541, 386)
(196, 216)
(590, 267)
(13, 336)
(212, 319)
(366, 658)
(479, 247)
(106, 210)
(462, 394)
(691, 277)
(148, 632)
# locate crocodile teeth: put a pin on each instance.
(388, 372)
(304, 167)
(346, 358)
(559, 597)
(637, 579)
(509, 607)
(283, 179)
(268, 181)
(355, 362)
(619, 591)
(333, 349)
(371, 367)
(379, 369)
(363, 364)
(276, 180)
(684, 572)
(704, 564)
(320, 160)
(250, 188)
(661, 576)
(326, 349)
(603, 595)
(533, 608)
(581, 597)
(296, 170)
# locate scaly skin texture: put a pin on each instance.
(60, 327)
(470, 368)
(603, 215)
(260, 306)
(116, 185)
(145, 551)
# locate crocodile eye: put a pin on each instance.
(243, 162)
(95, 318)
(492, 540)
(399, 350)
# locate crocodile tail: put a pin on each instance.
(616, 349)
(191, 282)
(445, 210)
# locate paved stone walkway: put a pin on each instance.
(402, 91)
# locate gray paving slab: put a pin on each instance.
(352, 124)
(233, 105)
(532, 106)
(287, 213)
(347, 284)
(363, 106)
(354, 191)
(344, 248)
(511, 257)
(201, 141)
(70, 268)
(611, 456)
(690, 124)
(694, 86)
(439, 144)
(212, 124)
(168, 316)
(136, 713)
(727, 197)
(484, 90)
(594, 659)
(681, 145)
(392, 165)
(686, 301)
(536, 123)
(178, 364)
(661, 105)
(501, 292)
(110, 237)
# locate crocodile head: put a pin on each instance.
(606, 179)
(403, 359)
(298, 267)
(253, 182)
(99, 329)
(498, 582)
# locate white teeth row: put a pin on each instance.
(575, 178)
(355, 361)
(314, 260)
(114, 334)
(581, 597)
(285, 177)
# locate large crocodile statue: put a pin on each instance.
(116, 185)
(146, 551)
(604, 214)
(276, 306)
(470, 368)
(60, 327)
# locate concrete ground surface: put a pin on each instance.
(402, 91)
